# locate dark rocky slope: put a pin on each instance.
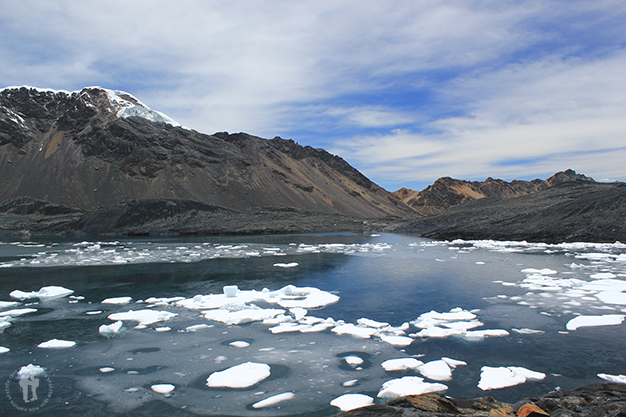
(24, 216)
(97, 147)
(446, 192)
(568, 211)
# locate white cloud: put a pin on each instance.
(405, 91)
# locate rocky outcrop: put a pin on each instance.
(96, 148)
(446, 192)
(568, 211)
(594, 400)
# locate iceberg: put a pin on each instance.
(408, 385)
(496, 378)
(44, 293)
(111, 329)
(590, 321)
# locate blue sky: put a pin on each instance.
(405, 91)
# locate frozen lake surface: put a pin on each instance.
(287, 325)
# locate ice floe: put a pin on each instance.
(4, 349)
(162, 388)
(273, 400)
(44, 293)
(409, 385)
(106, 369)
(349, 402)
(117, 300)
(501, 377)
(144, 317)
(401, 364)
(620, 379)
(239, 376)
(57, 344)
(592, 321)
(110, 330)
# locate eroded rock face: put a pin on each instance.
(96, 147)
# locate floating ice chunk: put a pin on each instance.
(44, 293)
(117, 300)
(353, 360)
(590, 321)
(106, 369)
(408, 385)
(481, 334)
(544, 271)
(162, 329)
(435, 331)
(453, 363)
(273, 400)
(7, 304)
(30, 370)
(528, 331)
(437, 370)
(144, 317)
(246, 315)
(351, 329)
(350, 383)
(4, 349)
(608, 297)
(239, 344)
(395, 340)
(162, 388)
(110, 330)
(286, 265)
(349, 402)
(230, 291)
(307, 297)
(57, 344)
(619, 379)
(239, 376)
(196, 327)
(371, 323)
(401, 364)
(93, 313)
(463, 325)
(17, 312)
(496, 378)
(298, 313)
(603, 275)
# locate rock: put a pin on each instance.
(593, 400)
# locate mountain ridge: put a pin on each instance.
(447, 192)
(96, 147)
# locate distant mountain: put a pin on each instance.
(567, 211)
(446, 192)
(97, 147)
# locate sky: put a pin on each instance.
(404, 91)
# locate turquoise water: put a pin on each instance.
(386, 278)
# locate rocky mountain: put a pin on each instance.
(568, 211)
(97, 147)
(446, 192)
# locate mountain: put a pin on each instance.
(97, 147)
(567, 211)
(446, 192)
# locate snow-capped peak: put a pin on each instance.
(129, 106)
(125, 104)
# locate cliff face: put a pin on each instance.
(446, 192)
(97, 147)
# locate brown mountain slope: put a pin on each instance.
(98, 147)
(446, 192)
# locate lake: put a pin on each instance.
(312, 317)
